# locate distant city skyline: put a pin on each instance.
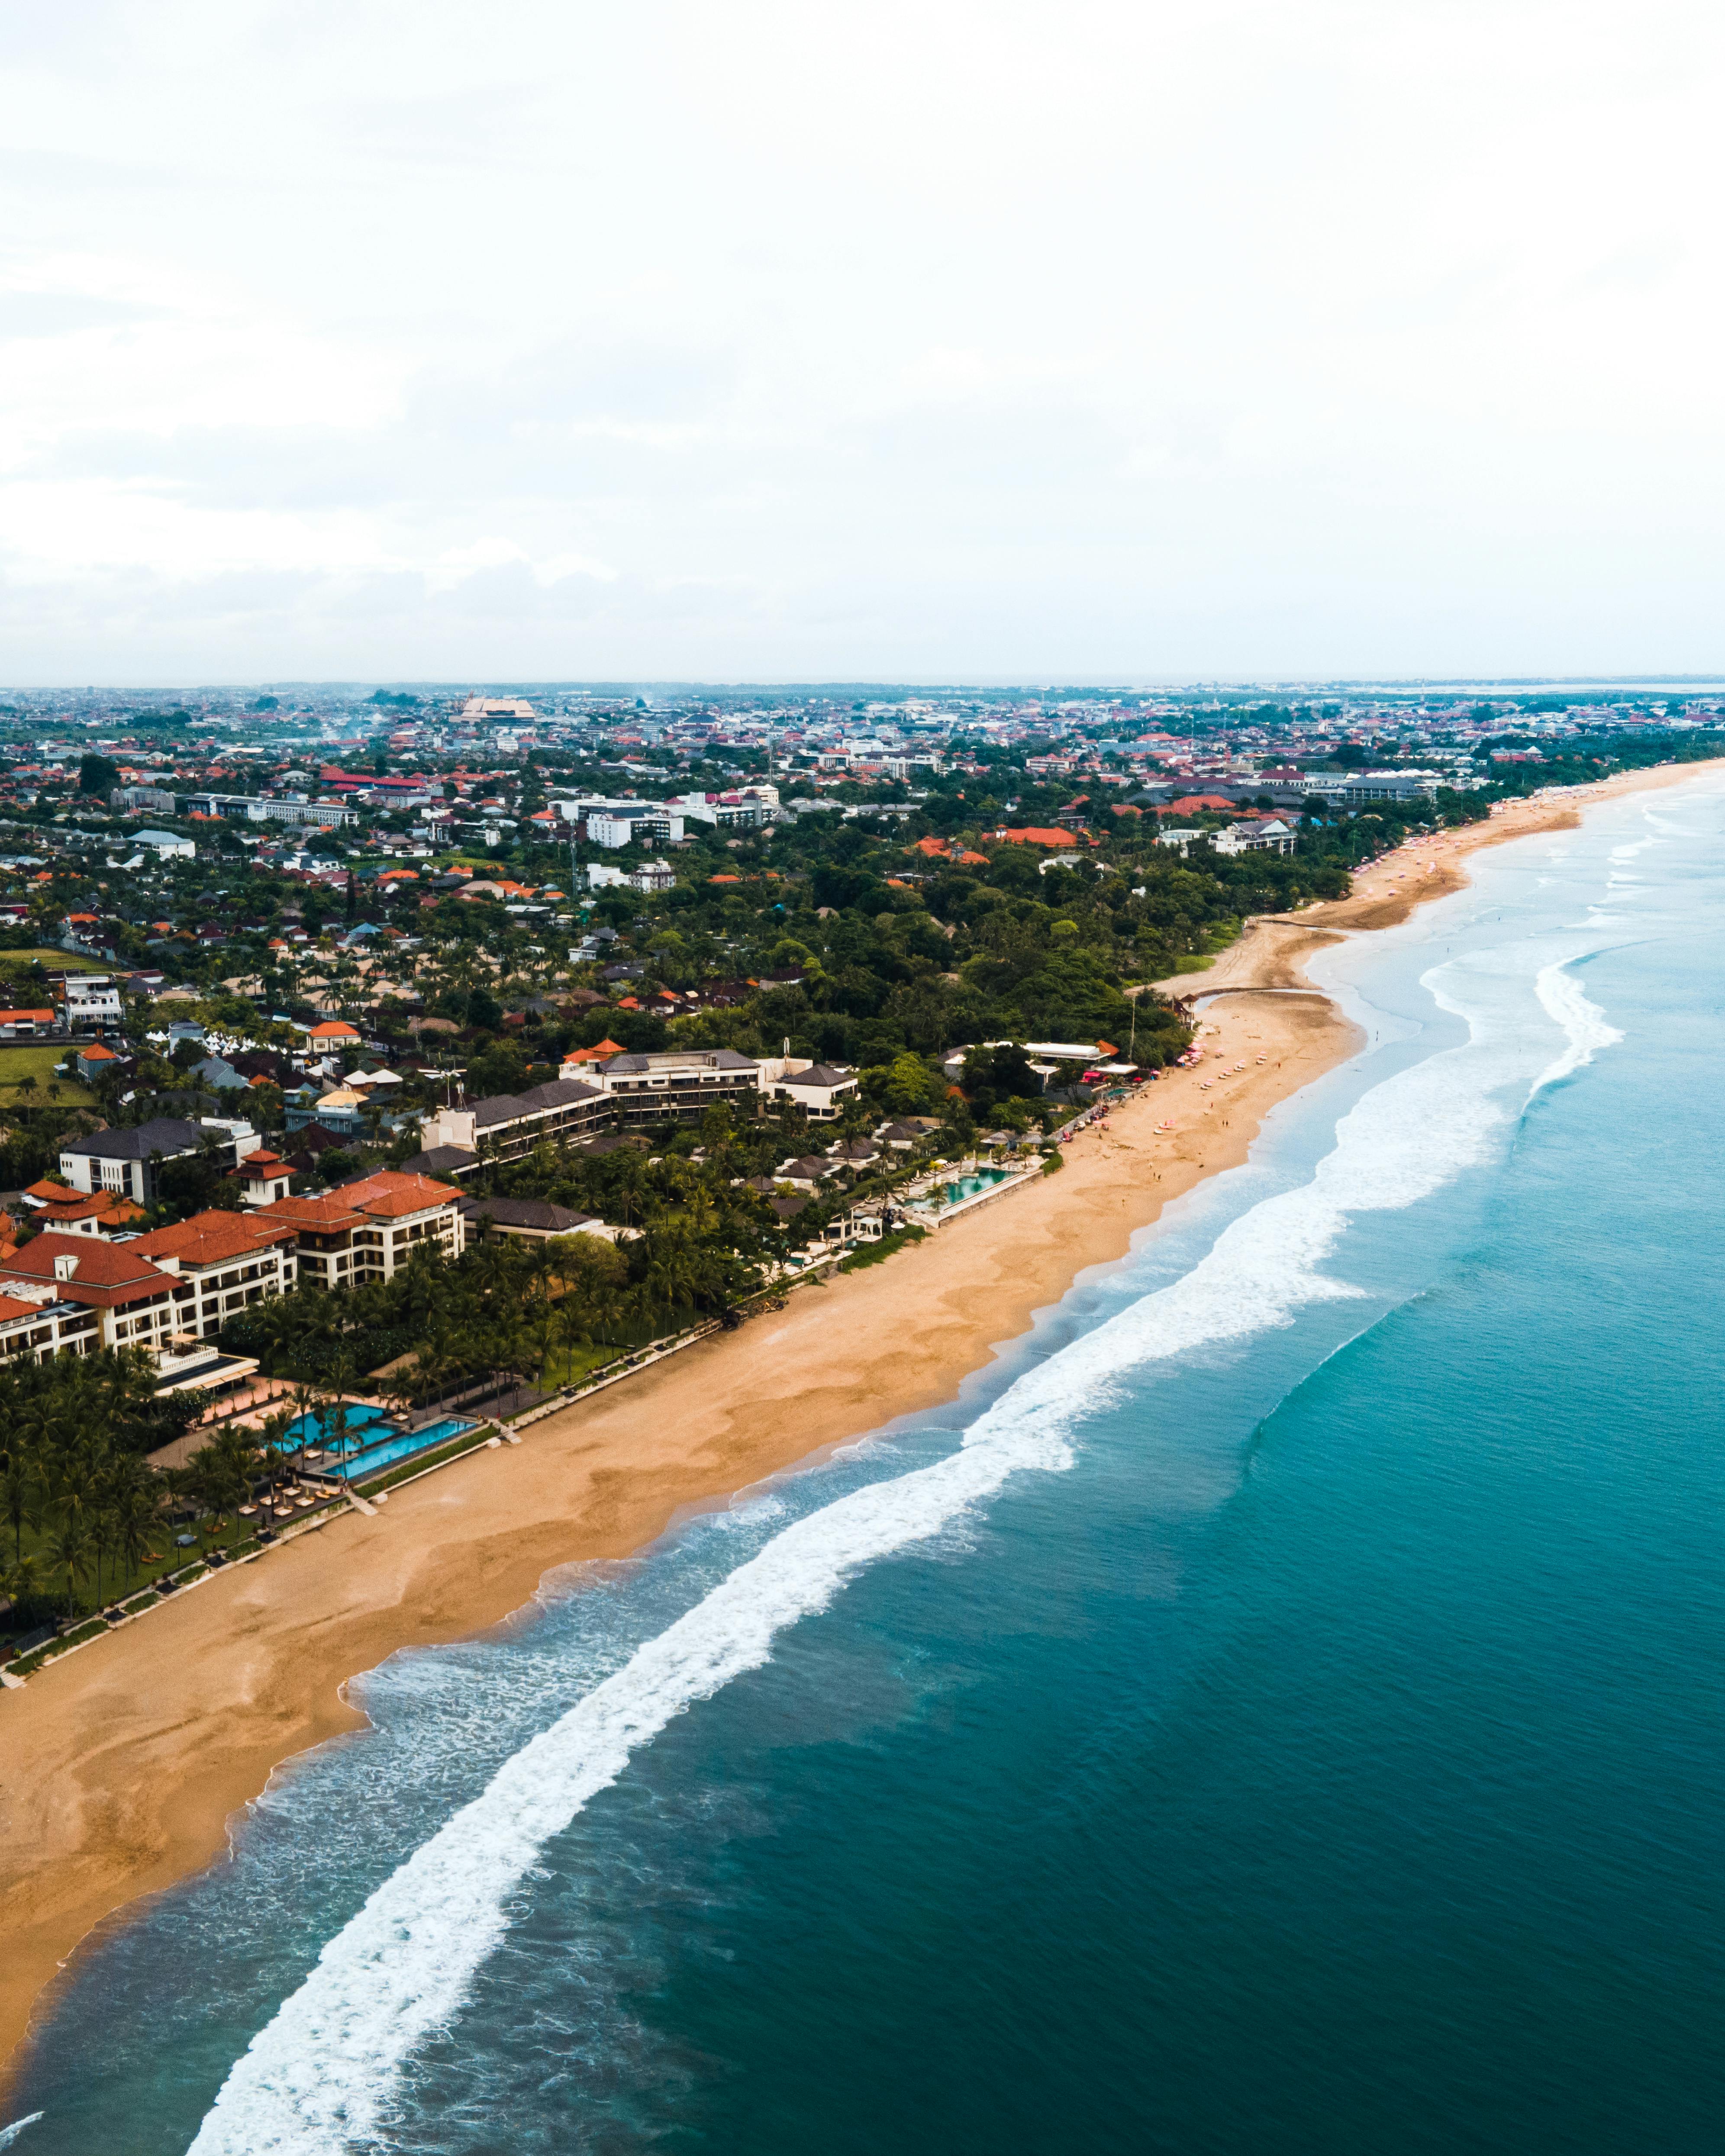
(1119, 346)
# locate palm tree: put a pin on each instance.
(137, 1508)
(340, 1383)
(70, 1547)
(631, 1180)
(20, 1580)
(672, 1274)
(306, 1398)
(542, 1330)
(225, 1467)
(275, 1427)
(20, 1501)
(493, 1263)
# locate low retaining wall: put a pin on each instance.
(982, 1198)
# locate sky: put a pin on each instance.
(353, 340)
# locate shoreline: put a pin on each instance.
(124, 1766)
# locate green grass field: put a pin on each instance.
(119, 1581)
(26, 1061)
(71, 961)
(574, 1365)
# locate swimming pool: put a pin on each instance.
(360, 1420)
(973, 1185)
(375, 1442)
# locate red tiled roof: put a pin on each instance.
(329, 1210)
(111, 1273)
(104, 1205)
(212, 1238)
(388, 1194)
(385, 1196)
(1036, 834)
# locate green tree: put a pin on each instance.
(20, 1494)
(69, 1546)
(20, 1581)
(136, 1517)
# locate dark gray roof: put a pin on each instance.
(820, 1074)
(537, 1101)
(216, 1070)
(165, 1136)
(715, 1058)
(441, 1160)
(536, 1213)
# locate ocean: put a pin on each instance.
(1279, 1710)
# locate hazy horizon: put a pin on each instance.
(762, 345)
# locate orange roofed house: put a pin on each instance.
(367, 1230)
(73, 1293)
(938, 849)
(221, 1262)
(101, 1213)
(91, 1294)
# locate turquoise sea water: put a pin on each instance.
(1280, 1710)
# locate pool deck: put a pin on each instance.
(1012, 1179)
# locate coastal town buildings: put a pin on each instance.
(365, 1230)
(131, 1160)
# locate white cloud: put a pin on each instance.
(404, 339)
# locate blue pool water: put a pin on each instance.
(315, 1429)
(389, 1450)
(972, 1186)
(1276, 1712)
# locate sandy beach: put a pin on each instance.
(122, 1766)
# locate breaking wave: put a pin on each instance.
(1582, 1020)
(321, 2075)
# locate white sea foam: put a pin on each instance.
(9, 2134)
(319, 2078)
(1583, 1021)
